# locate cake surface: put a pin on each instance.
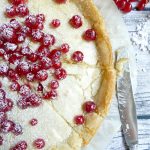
(61, 105)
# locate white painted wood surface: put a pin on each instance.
(142, 96)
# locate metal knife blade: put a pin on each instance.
(127, 108)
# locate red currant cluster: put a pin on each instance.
(125, 5)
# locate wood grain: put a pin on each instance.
(142, 97)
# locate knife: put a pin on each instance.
(127, 109)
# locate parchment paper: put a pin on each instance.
(120, 40)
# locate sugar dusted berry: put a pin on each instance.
(22, 10)
(15, 86)
(64, 48)
(31, 22)
(48, 40)
(89, 35)
(52, 94)
(17, 130)
(76, 21)
(60, 74)
(33, 57)
(41, 75)
(35, 68)
(20, 146)
(7, 126)
(33, 122)
(23, 68)
(55, 23)
(24, 90)
(60, 1)
(39, 143)
(1, 140)
(11, 11)
(89, 106)
(79, 120)
(54, 84)
(77, 56)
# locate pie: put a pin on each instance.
(56, 74)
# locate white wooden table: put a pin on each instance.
(142, 97)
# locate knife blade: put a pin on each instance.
(127, 108)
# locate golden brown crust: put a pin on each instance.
(104, 96)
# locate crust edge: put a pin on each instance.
(104, 96)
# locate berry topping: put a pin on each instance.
(23, 68)
(26, 30)
(141, 5)
(43, 51)
(55, 54)
(35, 68)
(11, 11)
(64, 48)
(15, 86)
(54, 84)
(32, 57)
(15, 24)
(30, 77)
(34, 100)
(22, 10)
(7, 126)
(3, 116)
(1, 140)
(121, 4)
(31, 22)
(40, 18)
(60, 1)
(40, 88)
(3, 69)
(33, 122)
(8, 33)
(77, 56)
(22, 103)
(20, 37)
(6, 105)
(60, 74)
(89, 35)
(37, 35)
(89, 107)
(0, 84)
(24, 90)
(12, 75)
(55, 23)
(17, 2)
(2, 94)
(50, 95)
(25, 50)
(17, 130)
(10, 47)
(56, 63)
(20, 146)
(76, 21)
(39, 143)
(79, 120)
(46, 63)
(127, 8)
(48, 40)
(2, 52)
(41, 75)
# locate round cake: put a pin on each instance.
(56, 74)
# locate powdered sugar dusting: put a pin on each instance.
(141, 38)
